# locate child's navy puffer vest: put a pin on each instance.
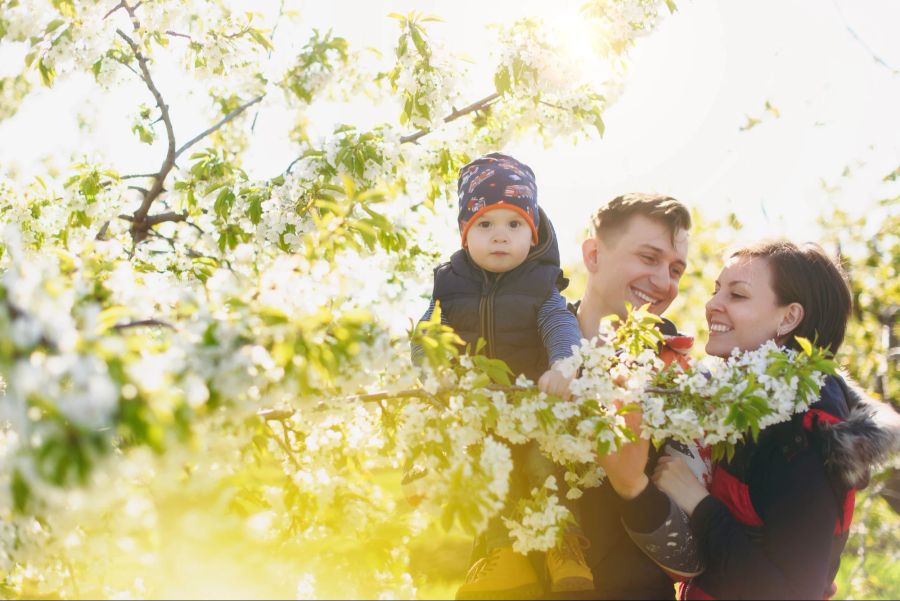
(502, 308)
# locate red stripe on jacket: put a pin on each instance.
(736, 496)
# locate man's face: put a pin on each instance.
(638, 264)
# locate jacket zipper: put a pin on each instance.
(486, 309)
(486, 304)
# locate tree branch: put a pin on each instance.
(152, 220)
(862, 43)
(141, 323)
(16, 313)
(178, 35)
(284, 444)
(222, 122)
(101, 235)
(139, 226)
(168, 216)
(456, 114)
(269, 55)
(114, 9)
(232, 36)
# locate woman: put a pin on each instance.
(775, 518)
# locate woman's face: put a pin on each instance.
(743, 312)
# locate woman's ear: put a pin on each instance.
(589, 254)
(791, 319)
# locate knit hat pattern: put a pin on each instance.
(497, 181)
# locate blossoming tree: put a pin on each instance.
(195, 360)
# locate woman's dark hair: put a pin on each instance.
(805, 274)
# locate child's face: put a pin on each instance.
(499, 240)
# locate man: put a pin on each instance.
(636, 253)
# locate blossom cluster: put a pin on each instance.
(713, 403)
(542, 521)
(720, 399)
(616, 25)
(426, 77)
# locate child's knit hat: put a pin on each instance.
(496, 181)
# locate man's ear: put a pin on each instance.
(589, 252)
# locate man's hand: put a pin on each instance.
(625, 468)
(553, 382)
(673, 477)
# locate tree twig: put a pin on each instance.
(168, 216)
(221, 122)
(178, 35)
(101, 235)
(114, 9)
(139, 226)
(284, 444)
(862, 43)
(269, 55)
(142, 323)
(456, 114)
(232, 36)
(152, 220)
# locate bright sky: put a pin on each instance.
(693, 84)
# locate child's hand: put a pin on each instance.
(674, 477)
(553, 382)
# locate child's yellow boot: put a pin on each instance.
(567, 568)
(502, 574)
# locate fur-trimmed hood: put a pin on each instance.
(867, 436)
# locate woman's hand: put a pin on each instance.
(625, 468)
(673, 476)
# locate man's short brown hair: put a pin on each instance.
(610, 219)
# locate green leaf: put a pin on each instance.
(254, 211)
(223, 203)
(598, 123)
(21, 491)
(47, 73)
(261, 39)
(419, 41)
(501, 81)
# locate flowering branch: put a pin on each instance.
(221, 122)
(178, 35)
(140, 222)
(159, 218)
(142, 323)
(140, 226)
(475, 106)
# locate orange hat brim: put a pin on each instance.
(499, 205)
